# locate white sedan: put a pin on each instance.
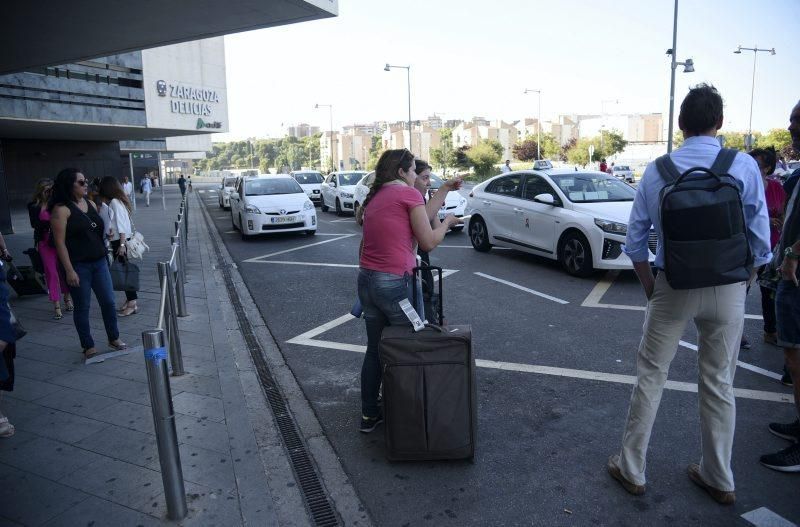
(338, 191)
(310, 181)
(362, 189)
(271, 203)
(577, 218)
(225, 189)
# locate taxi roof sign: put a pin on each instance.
(542, 164)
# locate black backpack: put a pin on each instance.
(703, 231)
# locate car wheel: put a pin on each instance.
(241, 229)
(576, 255)
(233, 222)
(479, 235)
(221, 205)
(322, 205)
(339, 211)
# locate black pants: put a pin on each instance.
(768, 310)
(129, 295)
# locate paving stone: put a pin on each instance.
(98, 512)
(130, 370)
(202, 432)
(206, 507)
(200, 385)
(131, 446)
(118, 481)
(76, 402)
(131, 391)
(47, 458)
(26, 389)
(84, 380)
(38, 369)
(200, 406)
(195, 366)
(62, 426)
(22, 497)
(128, 415)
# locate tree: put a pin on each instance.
(444, 156)
(677, 139)
(780, 139)
(550, 147)
(484, 156)
(562, 153)
(579, 153)
(461, 157)
(375, 152)
(612, 143)
(525, 150)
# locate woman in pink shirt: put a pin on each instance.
(396, 220)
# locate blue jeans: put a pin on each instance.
(94, 276)
(787, 311)
(379, 294)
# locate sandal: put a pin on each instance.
(6, 428)
(69, 305)
(128, 311)
(118, 345)
(88, 353)
(58, 314)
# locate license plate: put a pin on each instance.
(282, 219)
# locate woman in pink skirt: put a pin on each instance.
(43, 238)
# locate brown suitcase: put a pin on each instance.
(429, 391)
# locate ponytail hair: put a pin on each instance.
(386, 171)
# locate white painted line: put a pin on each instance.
(740, 364)
(307, 339)
(312, 264)
(521, 288)
(230, 232)
(332, 234)
(201, 191)
(763, 517)
(470, 247)
(222, 217)
(342, 221)
(600, 289)
(259, 258)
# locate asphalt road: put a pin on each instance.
(544, 433)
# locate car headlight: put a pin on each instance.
(308, 205)
(347, 195)
(611, 227)
(252, 209)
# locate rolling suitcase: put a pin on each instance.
(24, 280)
(429, 390)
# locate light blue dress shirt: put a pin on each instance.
(699, 151)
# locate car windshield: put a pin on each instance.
(350, 178)
(308, 178)
(593, 188)
(621, 167)
(267, 187)
(436, 181)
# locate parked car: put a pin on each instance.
(225, 189)
(454, 203)
(624, 173)
(338, 191)
(271, 203)
(577, 218)
(310, 181)
(362, 189)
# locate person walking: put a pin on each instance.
(395, 220)
(78, 231)
(147, 188)
(506, 168)
(787, 310)
(118, 231)
(8, 339)
(45, 245)
(127, 188)
(717, 310)
(182, 185)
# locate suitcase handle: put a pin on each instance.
(421, 268)
(437, 327)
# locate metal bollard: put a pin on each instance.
(180, 292)
(175, 355)
(164, 420)
(183, 246)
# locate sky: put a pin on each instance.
(476, 58)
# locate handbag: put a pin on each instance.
(36, 259)
(135, 244)
(16, 325)
(124, 276)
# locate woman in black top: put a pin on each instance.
(78, 231)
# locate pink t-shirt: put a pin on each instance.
(388, 237)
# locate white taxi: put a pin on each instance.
(338, 191)
(454, 203)
(310, 181)
(271, 203)
(577, 218)
(225, 189)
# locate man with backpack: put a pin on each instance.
(713, 231)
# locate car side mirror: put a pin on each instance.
(333, 183)
(545, 199)
(234, 195)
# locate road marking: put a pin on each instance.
(600, 289)
(341, 221)
(229, 232)
(201, 191)
(306, 263)
(470, 247)
(740, 364)
(332, 234)
(308, 339)
(259, 258)
(521, 288)
(222, 217)
(763, 517)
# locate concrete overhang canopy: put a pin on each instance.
(51, 32)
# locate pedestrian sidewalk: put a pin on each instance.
(85, 451)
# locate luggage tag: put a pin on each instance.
(412, 315)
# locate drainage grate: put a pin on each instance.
(314, 494)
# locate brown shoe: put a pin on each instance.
(616, 473)
(720, 496)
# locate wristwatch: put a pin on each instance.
(789, 253)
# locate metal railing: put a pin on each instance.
(172, 277)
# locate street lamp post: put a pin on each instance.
(330, 115)
(755, 51)
(688, 67)
(538, 123)
(388, 67)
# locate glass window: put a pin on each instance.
(230, 182)
(269, 186)
(506, 186)
(350, 178)
(592, 187)
(308, 178)
(535, 185)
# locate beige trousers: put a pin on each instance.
(718, 313)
